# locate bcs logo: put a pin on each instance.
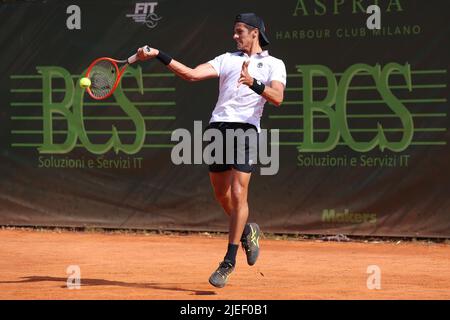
(144, 12)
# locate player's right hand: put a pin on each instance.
(144, 55)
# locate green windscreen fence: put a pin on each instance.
(363, 131)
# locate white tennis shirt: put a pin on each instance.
(242, 104)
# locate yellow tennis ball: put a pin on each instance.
(85, 82)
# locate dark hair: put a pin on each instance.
(250, 29)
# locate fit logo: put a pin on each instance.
(144, 12)
(74, 278)
(73, 22)
(374, 279)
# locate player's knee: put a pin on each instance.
(222, 196)
(238, 194)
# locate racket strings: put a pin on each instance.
(103, 77)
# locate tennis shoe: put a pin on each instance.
(220, 277)
(250, 243)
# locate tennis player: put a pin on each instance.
(248, 78)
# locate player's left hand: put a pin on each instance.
(245, 77)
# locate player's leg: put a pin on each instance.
(238, 218)
(221, 183)
(249, 232)
(232, 187)
(231, 191)
(241, 231)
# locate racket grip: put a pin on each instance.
(134, 57)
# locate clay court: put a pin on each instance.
(150, 266)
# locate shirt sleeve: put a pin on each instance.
(217, 63)
(278, 72)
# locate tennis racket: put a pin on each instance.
(105, 75)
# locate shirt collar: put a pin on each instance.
(262, 54)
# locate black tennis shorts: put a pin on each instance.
(243, 154)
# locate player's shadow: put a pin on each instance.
(101, 282)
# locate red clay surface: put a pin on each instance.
(136, 266)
